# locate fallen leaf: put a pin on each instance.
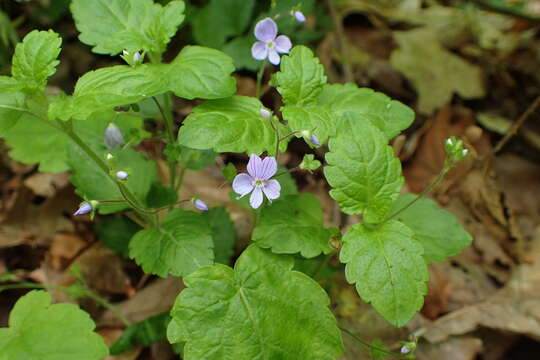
(46, 184)
(460, 348)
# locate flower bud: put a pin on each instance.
(122, 175)
(299, 16)
(201, 205)
(265, 113)
(405, 349)
(315, 140)
(113, 136)
(137, 58)
(83, 209)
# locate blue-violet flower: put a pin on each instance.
(122, 175)
(315, 140)
(299, 16)
(269, 45)
(257, 181)
(201, 205)
(83, 209)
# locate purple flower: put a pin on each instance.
(265, 113)
(257, 180)
(113, 136)
(405, 349)
(122, 175)
(269, 45)
(299, 16)
(83, 209)
(315, 140)
(201, 205)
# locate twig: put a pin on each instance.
(517, 125)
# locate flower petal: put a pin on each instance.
(283, 44)
(273, 56)
(272, 189)
(266, 30)
(242, 184)
(254, 166)
(268, 168)
(259, 51)
(256, 198)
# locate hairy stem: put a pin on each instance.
(259, 79)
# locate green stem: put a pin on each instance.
(424, 192)
(321, 265)
(259, 79)
(166, 115)
(365, 343)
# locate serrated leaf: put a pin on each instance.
(93, 184)
(436, 229)
(37, 329)
(259, 310)
(293, 224)
(228, 125)
(317, 119)
(386, 264)
(389, 116)
(116, 232)
(35, 58)
(160, 195)
(144, 333)
(221, 19)
(309, 163)
(199, 72)
(435, 72)
(223, 233)
(181, 245)
(363, 170)
(111, 26)
(300, 78)
(8, 116)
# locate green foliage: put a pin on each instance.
(223, 233)
(240, 50)
(243, 313)
(59, 331)
(93, 184)
(116, 232)
(181, 245)
(363, 171)
(144, 333)
(390, 116)
(300, 78)
(385, 262)
(160, 195)
(35, 59)
(435, 72)
(293, 224)
(111, 26)
(221, 19)
(309, 163)
(437, 230)
(195, 159)
(233, 124)
(9, 117)
(317, 119)
(229, 172)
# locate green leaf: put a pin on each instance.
(116, 232)
(199, 72)
(240, 50)
(390, 116)
(221, 19)
(223, 233)
(160, 195)
(317, 119)
(8, 116)
(195, 159)
(309, 163)
(435, 72)
(436, 229)
(146, 332)
(181, 245)
(35, 58)
(293, 224)
(259, 310)
(111, 26)
(229, 172)
(385, 262)
(301, 77)
(57, 332)
(93, 184)
(363, 171)
(228, 125)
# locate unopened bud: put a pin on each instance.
(122, 175)
(265, 113)
(201, 205)
(137, 59)
(405, 349)
(86, 207)
(113, 136)
(299, 16)
(315, 140)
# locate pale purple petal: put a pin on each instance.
(268, 168)
(256, 198)
(315, 140)
(259, 51)
(201, 205)
(283, 44)
(254, 166)
(83, 209)
(266, 30)
(299, 16)
(272, 189)
(273, 56)
(242, 184)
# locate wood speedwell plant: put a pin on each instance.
(261, 308)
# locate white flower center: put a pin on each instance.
(270, 44)
(258, 182)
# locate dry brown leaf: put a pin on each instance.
(46, 184)
(462, 348)
(63, 248)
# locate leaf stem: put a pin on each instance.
(259, 79)
(365, 343)
(168, 120)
